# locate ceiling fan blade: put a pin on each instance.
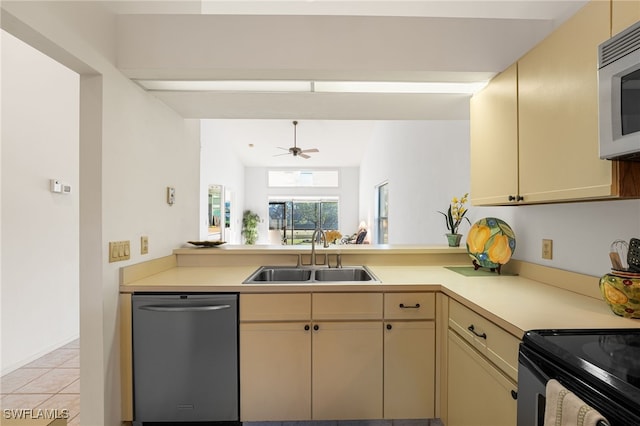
(286, 149)
(280, 155)
(310, 150)
(305, 156)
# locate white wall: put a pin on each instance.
(426, 164)
(257, 198)
(219, 165)
(581, 232)
(132, 147)
(40, 284)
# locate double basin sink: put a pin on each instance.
(317, 274)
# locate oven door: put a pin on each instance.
(531, 392)
(536, 369)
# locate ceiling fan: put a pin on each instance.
(294, 150)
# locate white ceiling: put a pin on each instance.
(340, 126)
(340, 142)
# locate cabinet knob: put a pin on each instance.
(512, 198)
(389, 326)
(316, 327)
(514, 394)
(306, 327)
(519, 198)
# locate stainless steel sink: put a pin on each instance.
(275, 274)
(305, 275)
(344, 274)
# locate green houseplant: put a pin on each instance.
(453, 218)
(250, 227)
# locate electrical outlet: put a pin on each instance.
(119, 250)
(144, 245)
(547, 249)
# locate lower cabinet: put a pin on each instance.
(481, 370)
(275, 371)
(347, 370)
(341, 363)
(478, 393)
(409, 370)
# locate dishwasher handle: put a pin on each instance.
(183, 308)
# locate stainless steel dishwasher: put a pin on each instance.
(185, 358)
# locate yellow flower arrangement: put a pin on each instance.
(332, 236)
(456, 213)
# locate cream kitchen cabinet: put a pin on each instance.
(409, 355)
(494, 140)
(558, 112)
(297, 367)
(556, 117)
(479, 394)
(482, 370)
(623, 14)
(275, 357)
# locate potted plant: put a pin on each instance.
(250, 222)
(453, 218)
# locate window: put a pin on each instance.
(297, 219)
(303, 178)
(382, 211)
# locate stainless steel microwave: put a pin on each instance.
(619, 95)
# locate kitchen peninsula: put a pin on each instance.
(449, 305)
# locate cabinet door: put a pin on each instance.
(558, 112)
(494, 140)
(478, 393)
(347, 370)
(275, 371)
(623, 14)
(409, 370)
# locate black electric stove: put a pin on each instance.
(600, 366)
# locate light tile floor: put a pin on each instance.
(50, 382)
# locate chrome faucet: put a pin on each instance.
(323, 238)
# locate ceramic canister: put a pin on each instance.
(622, 294)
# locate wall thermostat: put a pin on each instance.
(56, 186)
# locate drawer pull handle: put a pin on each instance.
(514, 394)
(403, 306)
(472, 329)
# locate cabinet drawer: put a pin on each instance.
(275, 307)
(409, 305)
(497, 345)
(346, 306)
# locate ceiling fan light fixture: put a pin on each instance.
(295, 150)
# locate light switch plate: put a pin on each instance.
(119, 250)
(144, 244)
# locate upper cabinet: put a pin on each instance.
(549, 100)
(494, 140)
(623, 14)
(558, 112)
